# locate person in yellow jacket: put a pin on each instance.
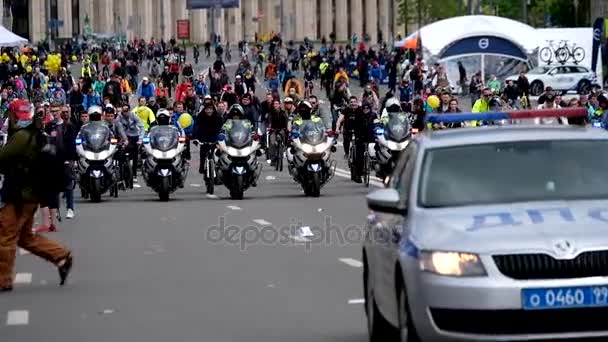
(144, 113)
(481, 106)
(341, 74)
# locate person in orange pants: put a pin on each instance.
(23, 162)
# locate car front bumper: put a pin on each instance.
(490, 309)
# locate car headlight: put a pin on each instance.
(454, 264)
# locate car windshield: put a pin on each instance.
(514, 172)
(539, 70)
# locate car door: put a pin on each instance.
(395, 233)
(562, 78)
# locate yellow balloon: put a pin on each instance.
(28, 68)
(185, 120)
(74, 59)
(433, 101)
(34, 58)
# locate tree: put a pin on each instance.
(430, 11)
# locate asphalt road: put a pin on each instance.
(151, 271)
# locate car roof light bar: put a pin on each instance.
(511, 115)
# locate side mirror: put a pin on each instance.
(385, 201)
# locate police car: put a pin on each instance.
(491, 234)
(562, 77)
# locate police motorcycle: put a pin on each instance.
(97, 167)
(238, 152)
(391, 139)
(311, 156)
(164, 169)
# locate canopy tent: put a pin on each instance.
(475, 35)
(8, 38)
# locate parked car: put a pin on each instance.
(563, 77)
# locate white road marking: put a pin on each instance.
(351, 262)
(262, 222)
(305, 232)
(347, 172)
(23, 252)
(356, 301)
(195, 185)
(270, 178)
(136, 186)
(23, 278)
(233, 207)
(375, 183)
(18, 317)
(211, 196)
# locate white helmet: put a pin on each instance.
(95, 110)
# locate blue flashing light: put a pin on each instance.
(379, 131)
(78, 141)
(461, 117)
(146, 140)
(494, 116)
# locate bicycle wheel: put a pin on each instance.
(277, 154)
(546, 55)
(562, 54)
(578, 54)
(366, 168)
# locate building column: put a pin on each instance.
(127, 21)
(86, 10)
(37, 20)
(234, 28)
(143, 19)
(327, 13)
(250, 9)
(398, 29)
(167, 24)
(64, 13)
(383, 18)
(105, 13)
(356, 17)
(220, 24)
(198, 26)
(341, 17)
(371, 20)
(311, 19)
(300, 12)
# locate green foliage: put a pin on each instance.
(430, 10)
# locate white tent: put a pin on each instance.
(438, 35)
(8, 38)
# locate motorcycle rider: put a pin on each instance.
(208, 125)
(117, 130)
(304, 113)
(95, 114)
(236, 112)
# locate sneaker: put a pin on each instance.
(70, 214)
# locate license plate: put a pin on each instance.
(564, 297)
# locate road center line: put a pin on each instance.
(233, 207)
(195, 185)
(351, 262)
(356, 301)
(23, 278)
(18, 317)
(262, 222)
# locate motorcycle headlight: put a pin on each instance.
(307, 148)
(396, 146)
(454, 264)
(164, 155)
(235, 152)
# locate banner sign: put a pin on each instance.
(598, 33)
(183, 29)
(205, 4)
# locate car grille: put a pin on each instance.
(515, 322)
(543, 266)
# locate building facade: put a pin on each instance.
(295, 19)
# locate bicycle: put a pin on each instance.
(366, 168)
(562, 52)
(209, 174)
(279, 149)
(351, 155)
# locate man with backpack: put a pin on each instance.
(27, 161)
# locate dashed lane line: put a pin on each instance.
(234, 207)
(18, 317)
(356, 301)
(23, 279)
(351, 262)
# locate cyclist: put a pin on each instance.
(134, 129)
(354, 121)
(481, 106)
(208, 125)
(144, 113)
(278, 121)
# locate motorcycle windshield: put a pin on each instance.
(164, 138)
(312, 133)
(398, 127)
(95, 137)
(239, 135)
